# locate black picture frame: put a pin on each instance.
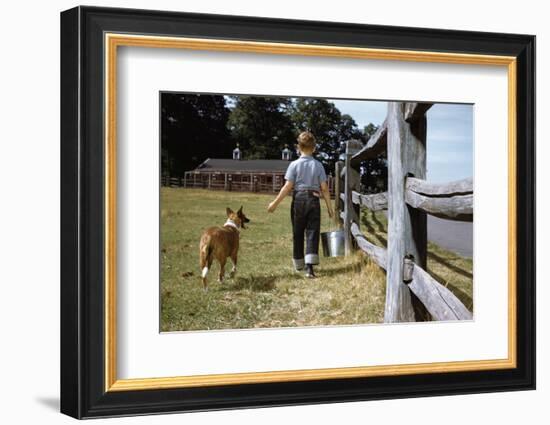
(82, 212)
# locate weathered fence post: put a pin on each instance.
(407, 229)
(351, 183)
(337, 189)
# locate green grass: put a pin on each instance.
(266, 292)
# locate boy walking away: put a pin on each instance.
(307, 181)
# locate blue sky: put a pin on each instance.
(449, 140)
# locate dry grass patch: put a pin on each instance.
(266, 292)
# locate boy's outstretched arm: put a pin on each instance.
(326, 196)
(285, 190)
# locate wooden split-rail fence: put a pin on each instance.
(236, 181)
(408, 199)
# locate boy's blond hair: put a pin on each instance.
(306, 141)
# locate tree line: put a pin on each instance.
(195, 127)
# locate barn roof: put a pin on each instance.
(248, 165)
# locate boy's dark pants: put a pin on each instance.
(305, 213)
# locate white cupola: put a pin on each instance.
(286, 154)
(237, 153)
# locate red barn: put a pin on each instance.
(250, 175)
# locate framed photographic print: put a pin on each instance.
(261, 212)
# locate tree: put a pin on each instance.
(348, 129)
(261, 125)
(374, 172)
(193, 128)
(324, 120)
(368, 131)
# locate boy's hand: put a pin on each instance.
(271, 207)
(330, 213)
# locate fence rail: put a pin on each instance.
(377, 253)
(452, 201)
(402, 137)
(459, 208)
(375, 202)
(441, 303)
(458, 187)
(236, 182)
(375, 146)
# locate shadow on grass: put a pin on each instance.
(339, 270)
(253, 283)
(381, 227)
(459, 293)
(371, 230)
(366, 222)
(450, 266)
(374, 227)
(368, 219)
(262, 283)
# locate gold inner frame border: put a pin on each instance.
(111, 43)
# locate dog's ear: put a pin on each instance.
(242, 217)
(228, 211)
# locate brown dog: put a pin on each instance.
(220, 243)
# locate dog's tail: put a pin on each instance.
(204, 256)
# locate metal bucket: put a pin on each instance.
(333, 243)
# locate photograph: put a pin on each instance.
(274, 211)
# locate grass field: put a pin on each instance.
(266, 292)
